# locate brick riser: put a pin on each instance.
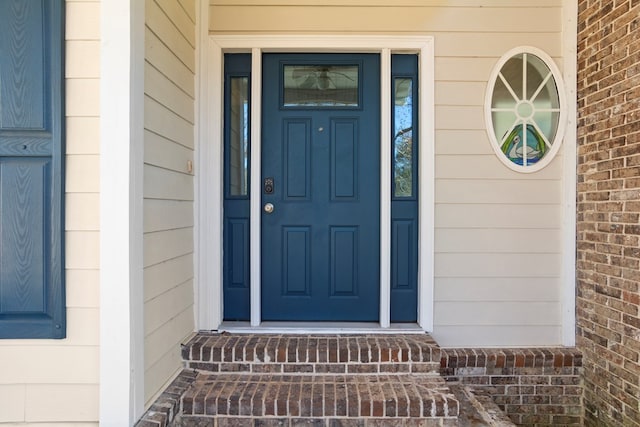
(313, 354)
(317, 354)
(315, 380)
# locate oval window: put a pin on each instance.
(524, 109)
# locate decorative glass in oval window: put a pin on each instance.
(524, 110)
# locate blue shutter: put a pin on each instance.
(32, 300)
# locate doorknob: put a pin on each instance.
(268, 208)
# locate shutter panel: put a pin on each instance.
(32, 301)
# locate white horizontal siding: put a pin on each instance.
(161, 120)
(83, 173)
(167, 305)
(497, 265)
(526, 313)
(498, 232)
(82, 59)
(459, 117)
(167, 215)
(462, 142)
(64, 364)
(481, 191)
(499, 215)
(168, 186)
(164, 153)
(497, 336)
(382, 19)
(64, 404)
(82, 212)
(397, 3)
(166, 342)
(83, 135)
(496, 240)
(180, 43)
(82, 288)
(165, 245)
(463, 69)
(162, 277)
(165, 92)
(495, 44)
(189, 7)
(158, 54)
(160, 183)
(474, 166)
(82, 250)
(492, 289)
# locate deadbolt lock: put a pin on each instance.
(268, 185)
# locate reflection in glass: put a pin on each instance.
(525, 109)
(403, 137)
(239, 136)
(321, 85)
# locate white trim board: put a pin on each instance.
(209, 215)
(303, 328)
(121, 228)
(570, 54)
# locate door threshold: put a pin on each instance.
(320, 328)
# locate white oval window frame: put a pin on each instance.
(562, 119)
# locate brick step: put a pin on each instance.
(312, 354)
(392, 399)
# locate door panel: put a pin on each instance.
(297, 160)
(344, 159)
(320, 245)
(296, 261)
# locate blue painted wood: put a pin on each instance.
(344, 261)
(24, 198)
(296, 261)
(236, 230)
(32, 299)
(297, 159)
(404, 215)
(22, 34)
(238, 252)
(344, 159)
(402, 251)
(340, 208)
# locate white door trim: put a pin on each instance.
(210, 194)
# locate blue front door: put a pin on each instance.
(320, 236)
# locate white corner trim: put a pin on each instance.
(210, 158)
(570, 55)
(121, 212)
(208, 182)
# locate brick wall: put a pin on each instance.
(608, 301)
(535, 387)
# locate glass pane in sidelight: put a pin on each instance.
(239, 136)
(403, 137)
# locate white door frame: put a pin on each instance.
(209, 215)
